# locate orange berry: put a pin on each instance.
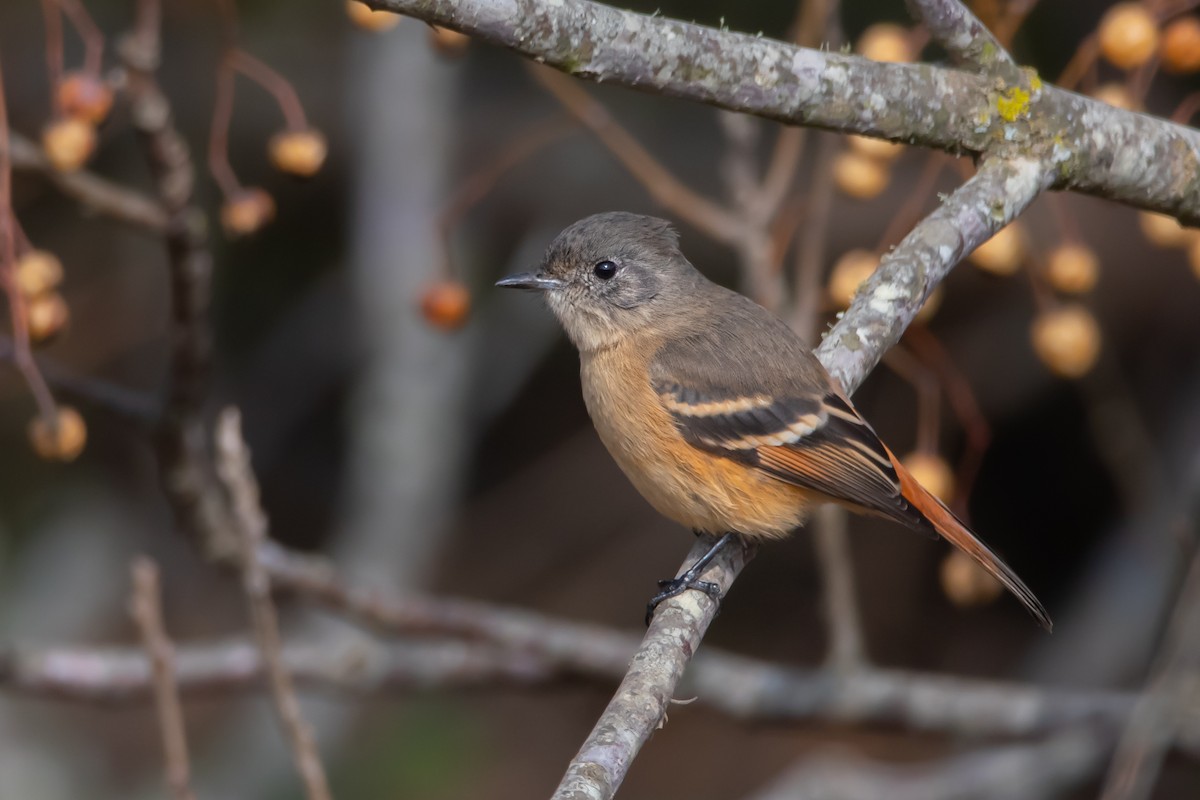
(38, 271)
(1128, 35)
(247, 211)
(932, 472)
(1067, 340)
(448, 43)
(446, 304)
(1002, 254)
(68, 143)
(1181, 45)
(63, 440)
(84, 96)
(1116, 95)
(369, 19)
(966, 583)
(859, 176)
(1072, 268)
(885, 41)
(880, 149)
(1166, 231)
(46, 315)
(854, 267)
(298, 152)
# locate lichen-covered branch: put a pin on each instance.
(639, 706)
(1097, 149)
(954, 27)
(889, 299)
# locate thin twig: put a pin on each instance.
(843, 623)
(145, 606)
(665, 188)
(280, 87)
(89, 32)
(97, 195)
(233, 466)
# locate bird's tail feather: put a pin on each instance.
(950, 528)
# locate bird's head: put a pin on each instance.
(610, 275)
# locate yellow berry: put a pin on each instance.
(63, 440)
(448, 43)
(247, 211)
(1165, 231)
(298, 152)
(1072, 268)
(446, 304)
(84, 96)
(966, 583)
(880, 149)
(932, 472)
(1128, 35)
(46, 315)
(1181, 45)
(859, 176)
(1067, 340)
(1002, 254)
(1116, 95)
(885, 41)
(69, 143)
(369, 19)
(38, 271)
(854, 267)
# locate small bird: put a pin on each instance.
(713, 407)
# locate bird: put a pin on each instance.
(714, 408)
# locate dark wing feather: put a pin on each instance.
(766, 401)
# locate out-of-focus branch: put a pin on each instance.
(954, 27)
(1009, 772)
(97, 195)
(665, 188)
(233, 466)
(843, 623)
(145, 606)
(1095, 148)
(186, 468)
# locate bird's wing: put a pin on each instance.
(766, 401)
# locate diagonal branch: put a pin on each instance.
(954, 27)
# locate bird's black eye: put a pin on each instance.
(605, 270)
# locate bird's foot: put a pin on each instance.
(674, 586)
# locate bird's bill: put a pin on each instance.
(530, 281)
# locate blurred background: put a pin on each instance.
(427, 433)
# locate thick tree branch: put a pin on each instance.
(1097, 149)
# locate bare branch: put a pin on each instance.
(1009, 772)
(233, 465)
(954, 27)
(843, 623)
(1133, 158)
(145, 606)
(639, 706)
(890, 299)
(96, 194)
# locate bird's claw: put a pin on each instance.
(670, 588)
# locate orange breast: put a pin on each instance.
(697, 489)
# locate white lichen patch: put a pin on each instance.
(884, 297)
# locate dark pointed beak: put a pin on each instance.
(530, 281)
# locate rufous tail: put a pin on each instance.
(950, 528)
